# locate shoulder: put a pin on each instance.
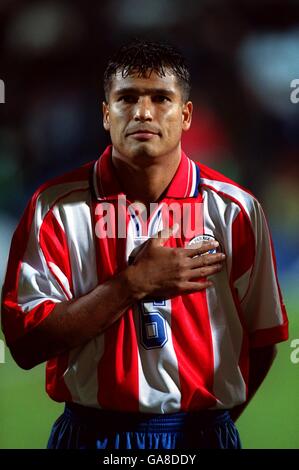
(215, 185)
(54, 190)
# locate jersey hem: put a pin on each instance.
(269, 336)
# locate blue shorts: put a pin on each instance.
(80, 427)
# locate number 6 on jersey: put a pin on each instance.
(153, 332)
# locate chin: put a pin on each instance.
(143, 149)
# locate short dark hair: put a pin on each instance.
(143, 57)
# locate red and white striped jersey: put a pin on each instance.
(185, 353)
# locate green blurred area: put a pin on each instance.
(270, 421)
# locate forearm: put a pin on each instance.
(260, 361)
(75, 322)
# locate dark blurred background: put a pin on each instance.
(243, 56)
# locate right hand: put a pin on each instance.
(163, 272)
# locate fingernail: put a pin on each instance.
(215, 243)
(223, 255)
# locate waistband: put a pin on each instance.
(144, 422)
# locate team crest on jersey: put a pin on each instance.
(203, 238)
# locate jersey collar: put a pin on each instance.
(185, 183)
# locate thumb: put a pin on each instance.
(161, 237)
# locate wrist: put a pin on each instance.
(131, 282)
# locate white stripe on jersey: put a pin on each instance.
(34, 288)
(227, 336)
(242, 284)
(81, 377)
(62, 278)
(158, 376)
(159, 386)
(154, 225)
(227, 332)
(194, 179)
(75, 220)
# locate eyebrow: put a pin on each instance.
(144, 91)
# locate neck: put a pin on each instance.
(148, 182)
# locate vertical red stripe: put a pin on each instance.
(54, 245)
(191, 335)
(118, 367)
(192, 341)
(243, 246)
(55, 248)
(55, 384)
(191, 176)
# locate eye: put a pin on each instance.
(128, 99)
(160, 98)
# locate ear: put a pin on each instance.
(106, 116)
(187, 115)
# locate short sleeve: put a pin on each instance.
(36, 279)
(257, 285)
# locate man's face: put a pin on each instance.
(146, 115)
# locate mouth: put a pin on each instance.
(143, 134)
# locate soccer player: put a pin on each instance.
(146, 281)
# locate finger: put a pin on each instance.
(200, 261)
(161, 237)
(137, 251)
(202, 248)
(204, 272)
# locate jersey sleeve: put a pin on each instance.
(37, 274)
(255, 279)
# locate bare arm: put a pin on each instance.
(157, 271)
(72, 323)
(261, 360)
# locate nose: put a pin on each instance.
(143, 109)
